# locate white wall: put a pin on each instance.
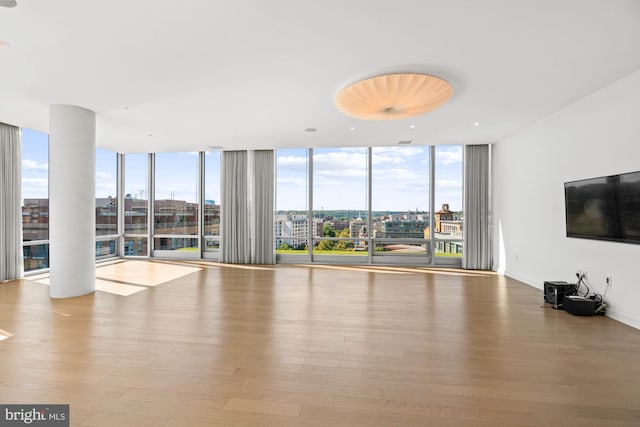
(598, 135)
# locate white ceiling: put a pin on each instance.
(256, 73)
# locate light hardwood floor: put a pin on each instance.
(195, 344)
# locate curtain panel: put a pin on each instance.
(11, 261)
(234, 218)
(248, 183)
(477, 208)
(262, 208)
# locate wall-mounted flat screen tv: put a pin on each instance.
(604, 208)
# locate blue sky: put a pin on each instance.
(400, 176)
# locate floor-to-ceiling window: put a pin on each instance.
(106, 203)
(35, 199)
(352, 205)
(448, 202)
(136, 195)
(292, 204)
(400, 203)
(175, 204)
(415, 197)
(340, 208)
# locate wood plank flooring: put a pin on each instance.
(307, 345)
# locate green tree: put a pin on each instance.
(325, 245)
(344, 245)
(284, 247)
(328, 231)
(345, 233)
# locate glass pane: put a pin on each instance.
(400, 195)
(340, 247)
(448, 196)
(212, 195)
(182, 244)
(291, 226)
(136, 194)
(212, 245)
(35, 187)
(339, 197)
(291, 246)
(135, 246)
(176, 197)
(383, 248)
(36, 257)
(446, 248)
(106, 193)
(105, 248)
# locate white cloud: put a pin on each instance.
(103, 175)
(447, 183)
(35, 182)
(345, 162)
(292, 161)
(105, 190)
(34, 165)
(380, 159)
(35, 188)
(449, 156)
(298, 182)
(398, 174)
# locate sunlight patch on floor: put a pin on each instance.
(5, 334)
(368, 269)
(126, 278)
(404, 270)
(118, 288)
(144, 273)
(240, 266)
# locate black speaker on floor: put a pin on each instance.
(554, 292)
(580, 306)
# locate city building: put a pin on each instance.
(291, 230)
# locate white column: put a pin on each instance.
(72, 165)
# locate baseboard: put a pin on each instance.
(619, 317)
(623, 318)
(526, 280)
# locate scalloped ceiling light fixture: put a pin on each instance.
(393, 96)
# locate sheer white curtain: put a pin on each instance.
(234, 218)
(477, 207)
(248, 182)
(11, 262)
(262, 207)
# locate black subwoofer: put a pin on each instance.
(554, 292)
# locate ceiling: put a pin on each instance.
(169, 75)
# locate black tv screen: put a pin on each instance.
(604, 208)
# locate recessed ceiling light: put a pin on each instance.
(352, 128)
(405, 142)
(310, 129)
(476, 124)
(412, 127)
